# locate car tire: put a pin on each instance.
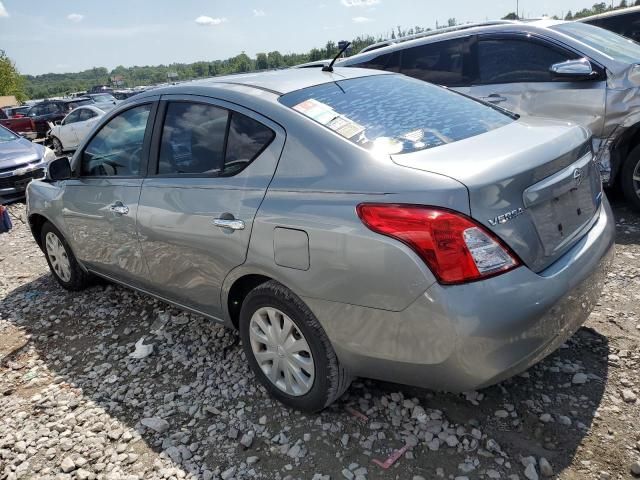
(323, 382)
(57, 146)
(631, 170)
(62, 263)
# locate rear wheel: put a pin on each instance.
(630, 178)
(62, 263)
(57, 146)
(288, 350)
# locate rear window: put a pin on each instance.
(395, 114)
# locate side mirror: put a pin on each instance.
(57, 122)
(59, 169)
(572, 70)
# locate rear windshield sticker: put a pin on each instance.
(345, 127)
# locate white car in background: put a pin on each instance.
(74, 127)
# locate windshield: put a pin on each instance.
(103, 97)
(394, 114)
(6, 135)
(608, 43)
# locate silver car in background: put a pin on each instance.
(563, 70)
(348, 223)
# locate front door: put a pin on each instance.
(101, 201)
(211, 165)
(514, 73)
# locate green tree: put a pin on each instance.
(11, 82)
(510, 16)
(261, 61)
(569, 15)
(274, 60)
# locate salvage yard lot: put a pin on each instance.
(74, 403)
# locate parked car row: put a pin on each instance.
(20, 161)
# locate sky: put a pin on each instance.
(59, 36)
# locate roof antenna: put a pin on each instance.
(329, 68)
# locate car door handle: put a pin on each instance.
(230, 223)
(119, 208)
(494, 98)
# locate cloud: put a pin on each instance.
(258, 12)
(3, 11)
(362, 19)
(209, 21)
(360, 3)
(75, 17)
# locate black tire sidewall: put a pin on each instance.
(78, 276)
(55, 140)
(314, 400)
(626, 178)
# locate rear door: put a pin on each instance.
(101, 201)
(211, 165)
(513, 72)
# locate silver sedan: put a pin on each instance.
(347, 223)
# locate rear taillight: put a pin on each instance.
(456, 249)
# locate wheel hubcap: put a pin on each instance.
(281, 351)
(58, 257)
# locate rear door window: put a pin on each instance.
(443, 63)
(514, 60)
(201, 139)
(73, 117)
(86, 114)
(385, 61)
(394, 114)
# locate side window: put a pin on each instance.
(514, 60)
(86, 114)
(209, 140)
(193, 139)
(442, 63)
(387, 61)
(53, 108)
(116, 150)
(73, 117)
(247, 139)
(35, 111)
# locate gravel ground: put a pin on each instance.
(74, 403)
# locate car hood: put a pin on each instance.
(19, 152)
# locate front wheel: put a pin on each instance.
(630, 178)
(62, 263)
(288, 349)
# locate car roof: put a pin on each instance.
(542, 27)
(612, 13)
(278, 82)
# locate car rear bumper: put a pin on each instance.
(464, 337)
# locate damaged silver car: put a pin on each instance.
(564, 70)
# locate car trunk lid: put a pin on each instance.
(533, 183)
